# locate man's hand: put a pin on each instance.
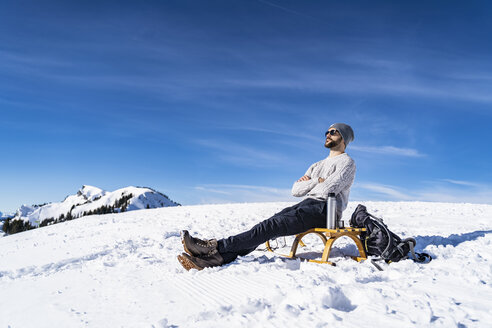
(304, 178)
(321, 180)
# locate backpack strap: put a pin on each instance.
(417, 257)
(373, 262)
(378, 222)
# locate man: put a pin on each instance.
(334, 174)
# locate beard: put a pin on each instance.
(332, 143)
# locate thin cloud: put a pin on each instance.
(242, 155)
(16, 60)
(290, 11)
(388, 150)
(376, 77)
(386, 190)
(211, 190)
(438, 192)
(281, 132)
(370, 82)
(462, 183)
(455, 195)
(378, 63)
(227, 193)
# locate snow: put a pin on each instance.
(91, 193)
(25, 210)
(90, 198)
(120, 270)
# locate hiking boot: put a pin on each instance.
(199, 263)
(197, 246)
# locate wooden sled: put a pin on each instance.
(328, 236)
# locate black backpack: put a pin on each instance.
(378, 240)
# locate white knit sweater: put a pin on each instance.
(339, 174)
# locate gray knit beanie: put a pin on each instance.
(346, 132)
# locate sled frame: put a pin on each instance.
(328, 237)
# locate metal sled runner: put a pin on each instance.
(328, 236)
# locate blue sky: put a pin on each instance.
(228, 101)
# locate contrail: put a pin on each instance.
(287, 9)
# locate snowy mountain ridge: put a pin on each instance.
(91, 200)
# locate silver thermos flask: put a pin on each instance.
(331, 210)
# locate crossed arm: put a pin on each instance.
(339, 180)
(306, 178)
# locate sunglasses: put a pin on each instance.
(330, 132)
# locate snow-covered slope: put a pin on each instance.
(120, 270)
(89, 200)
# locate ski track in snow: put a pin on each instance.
(120, 270)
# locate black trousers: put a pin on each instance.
(308, 214)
